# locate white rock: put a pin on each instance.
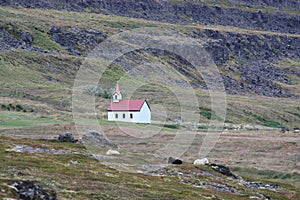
(202, 161)
(112, 152)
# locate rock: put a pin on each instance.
(28, 190)
(202, 161)
(98, 139)
(26, 37)
(174, 161)
(66, 137)
(112, 152)
(223, 170)
(74, 162)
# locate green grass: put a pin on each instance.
(208, 114)
(9, 119)
(267, 122)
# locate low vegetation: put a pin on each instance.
(78, 175)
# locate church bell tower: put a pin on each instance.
(117, 95)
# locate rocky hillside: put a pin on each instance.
(255, 46)
(248, 59)
(226, 13)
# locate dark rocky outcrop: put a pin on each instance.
(183, 12)
(76, 41)
(7, 42)
(21, 40)
(254, 57)
(223, 170)
(276, 4)
(28, 190)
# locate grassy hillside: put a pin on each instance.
(47, 77)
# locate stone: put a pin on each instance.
(112, 152)
(74, 162)
(174, 161)
(26, 37)
(28, 190)
(203, 161)
(66, 137)
(223, 170)
(98, 139)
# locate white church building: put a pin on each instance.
(136, 111)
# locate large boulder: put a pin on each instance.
(98, 139)
(203, 161)
(112, 152)
(28, 190)
(66, 137)
(174, 161)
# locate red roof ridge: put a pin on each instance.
(127, 105)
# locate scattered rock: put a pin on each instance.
(214, 186)
(98, 139)
(7, 41)
(202, 161)
(174, 161)
(76, 41)
(66, 137)
(259, 185)
(31, 149)
(112, 152)
(28, 190)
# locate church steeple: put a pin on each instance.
(117, 95)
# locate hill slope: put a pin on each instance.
(43, 49)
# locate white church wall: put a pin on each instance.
(142, 116)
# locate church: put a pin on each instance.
(125, 110)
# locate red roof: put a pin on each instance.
(127, 105)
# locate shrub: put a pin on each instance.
(19, 108)
(11, 107)
(208, 113)
(172, 126)
(267, 122)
